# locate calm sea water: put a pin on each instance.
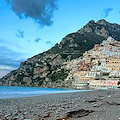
(15, 92)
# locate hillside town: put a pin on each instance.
(99, 68)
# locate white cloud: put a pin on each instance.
(5, 67)
(3, 72)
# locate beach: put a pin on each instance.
(90, 105)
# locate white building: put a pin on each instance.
(92, 74)
(114, 74)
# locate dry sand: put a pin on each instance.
(91, 105)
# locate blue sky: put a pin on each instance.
(29, 27)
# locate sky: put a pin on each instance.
(29, 27)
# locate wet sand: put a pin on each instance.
(91, 105)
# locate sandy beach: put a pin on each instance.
(91, 105)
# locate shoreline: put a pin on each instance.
(8, 92)
(51, 94)
(88, 105)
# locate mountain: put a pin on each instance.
(47, 69)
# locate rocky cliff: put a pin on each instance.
(47, 69)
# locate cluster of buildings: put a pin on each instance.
(99, 67)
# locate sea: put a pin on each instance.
(16, 92)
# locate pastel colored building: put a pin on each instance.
(100, 48)
(79, 73)
(85, 53)
(83, 68)
(110, 39)
(82, 82)
(88, 60)
(98, 83)
(96, 68)
(103, 43)
(114, 48)
(112, 83)
(107, 47)
(112, 64)
(96, 46)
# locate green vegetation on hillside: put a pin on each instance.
(59, 75)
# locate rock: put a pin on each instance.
(58, 111)
(96, 105)
(21, 117)
(46, 115)
(31, 111)
(65, 118)
(79, 113)
(61, 108)
(109, 96)
(84, 101)
(25, 113)
(27, 119)
(91, 101)
(15, 118)
(7, 115)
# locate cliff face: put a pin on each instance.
(102, 28)
(47, 69)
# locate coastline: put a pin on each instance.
(19, 92)
(89, 105)
(47, 95)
